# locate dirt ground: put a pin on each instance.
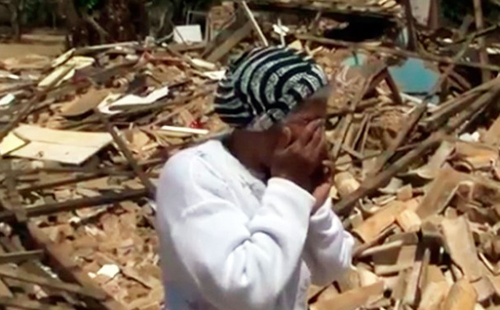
(45, 42)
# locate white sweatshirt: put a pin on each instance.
(228, 242)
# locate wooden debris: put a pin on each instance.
(409, 221)
(230, 42)
(433, 295)
(373, 226)
(462, 296)
(345, 183)
(352, 299)
(255, 25)
(460, 243)
(441, 192)
(483, 55)
(407, 183)
(21, 276)
(20, 257)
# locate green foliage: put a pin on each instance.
(456, 10)
(88, 4)
(37, 11)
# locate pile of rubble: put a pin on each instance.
(414, 146)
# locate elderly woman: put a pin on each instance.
(245, 223)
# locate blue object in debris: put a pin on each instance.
(414, 78)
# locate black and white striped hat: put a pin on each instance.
(264, 85)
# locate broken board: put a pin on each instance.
(69, 147)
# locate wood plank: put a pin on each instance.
(353, 299)
(484, 289)
(483, 54)
(381, 220)
(255, 25)
(411, 293)
(406, 259)
(431, 169)
(396, 52)
(433, 295)
(349, 281)
(460, 244)
(16, 274)
(238, 35)
(462, 296)
(67, 268)
(394, 246)
(70, 147)
(345, 183)
(29, 304)
(18, 257)
(409, 221)
(495, 282)
(432, 275)
(63, 137)
(398, 292)
(84, 104)
(32, 266)
(441, 192)
(70, 205)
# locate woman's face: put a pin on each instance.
(310, 110)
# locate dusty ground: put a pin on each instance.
(41, 42)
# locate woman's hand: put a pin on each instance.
(322, 187)
(297, 160)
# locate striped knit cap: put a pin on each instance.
(264, 85)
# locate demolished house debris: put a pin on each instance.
(417, 170)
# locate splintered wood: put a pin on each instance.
(420, 196)
(416, 172)
(430, 233)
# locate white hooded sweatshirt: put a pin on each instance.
(230, 242)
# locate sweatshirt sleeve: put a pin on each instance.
(328, 250)
(237, 262)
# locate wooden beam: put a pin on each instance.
(410, 23)
(50, 208)
(17, 257)
(440, 192)
(16, 274)
(352, 299)
(255, 24)
(345, 206)
(461, 246)
(64, 264)
(29, 304)
(433, 295)
(236, 37)
(397, 52)
(122, 146)
(483, 54)
(462, 296)
(373, 226)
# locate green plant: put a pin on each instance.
(456, 10)
(88, 4)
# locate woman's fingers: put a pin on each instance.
(309, 132)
